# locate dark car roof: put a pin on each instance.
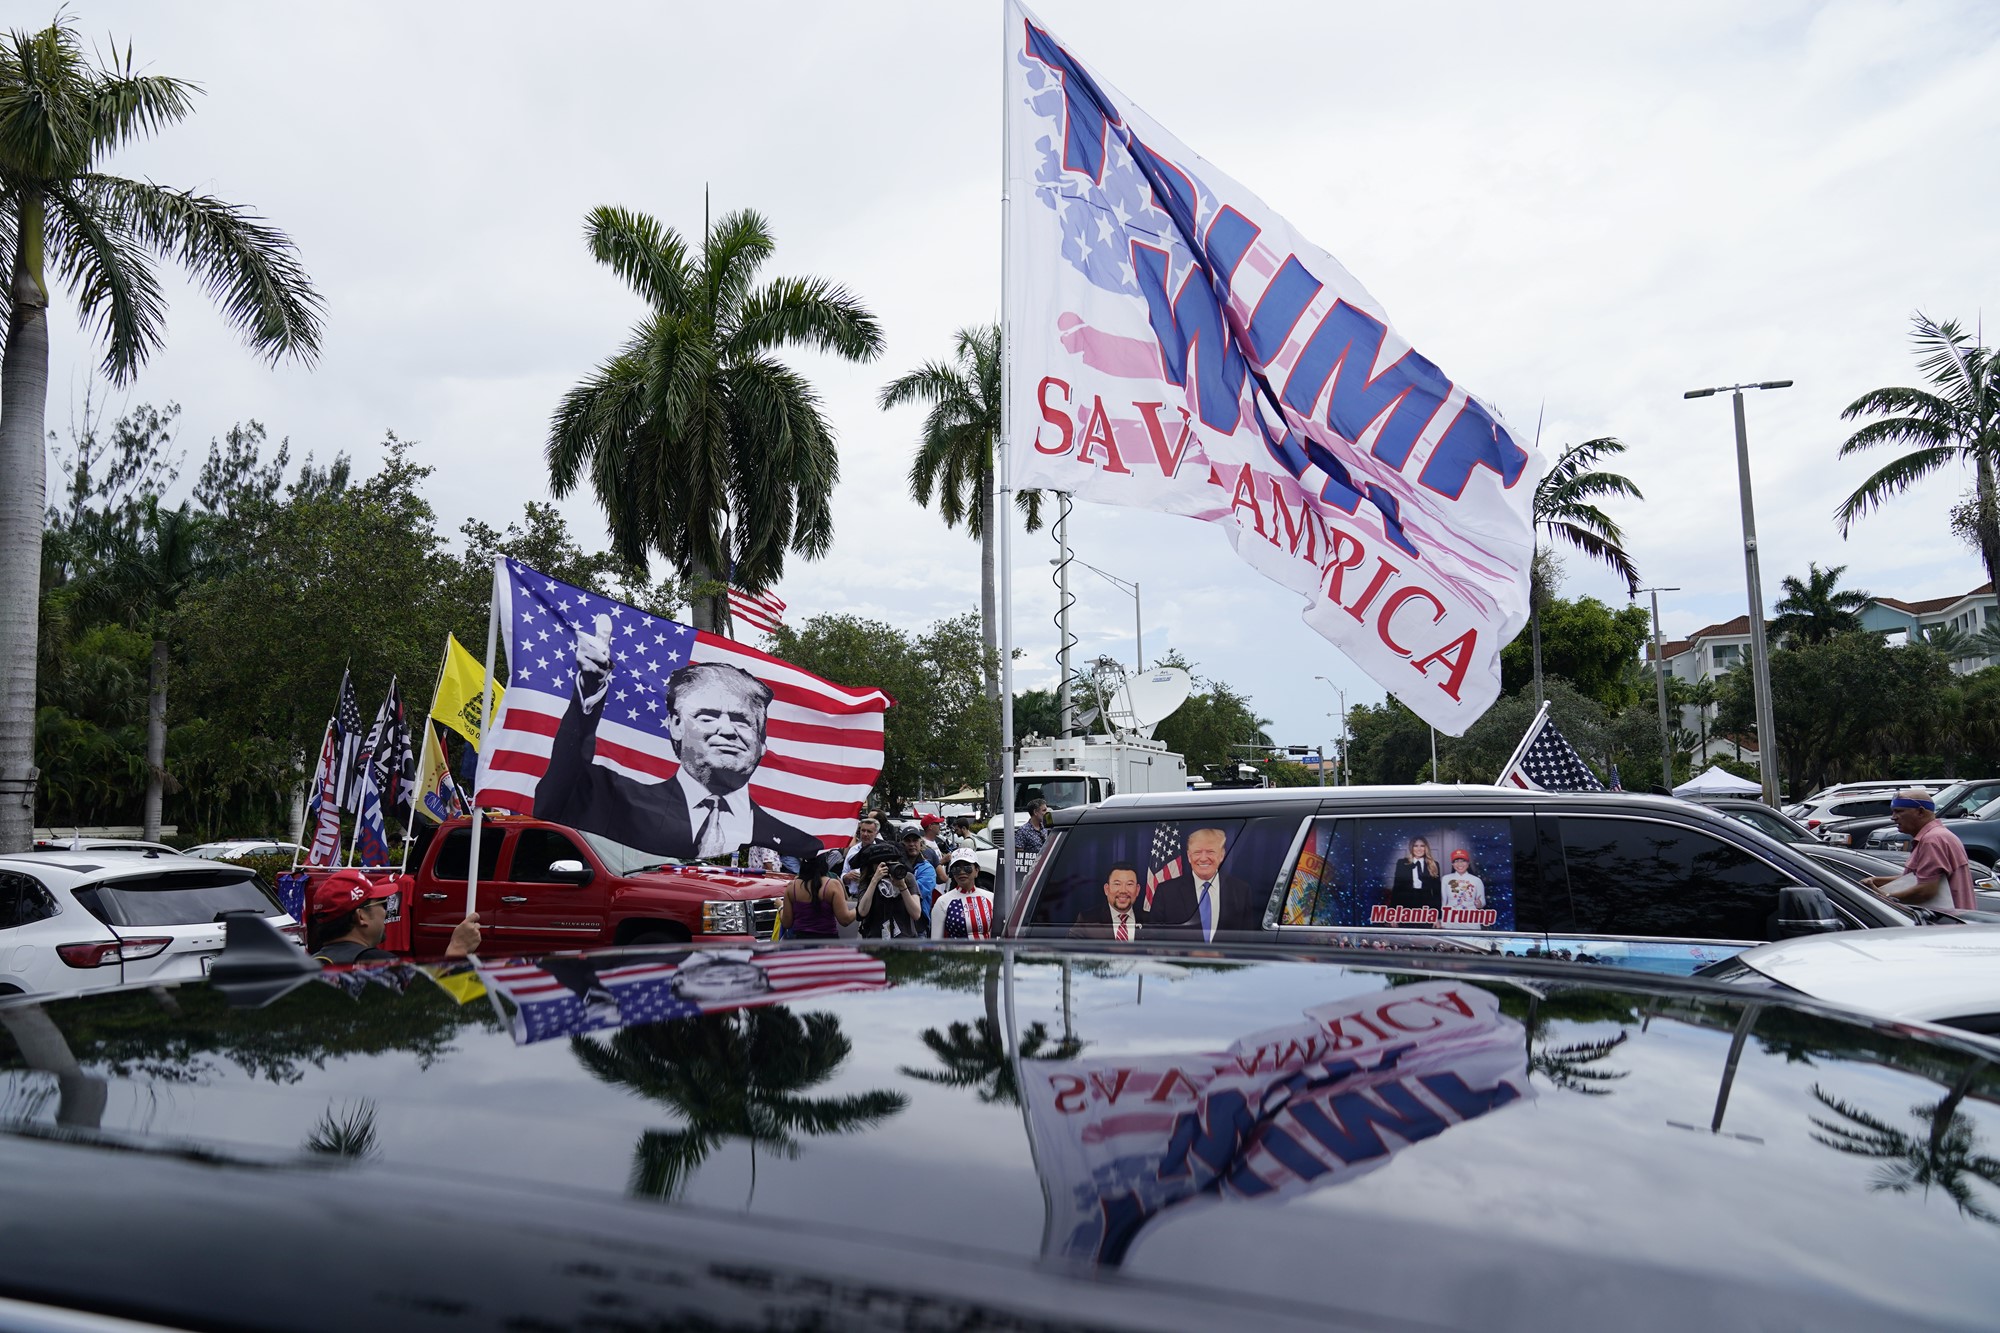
(1202, 1139)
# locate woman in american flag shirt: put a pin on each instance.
(964, 911)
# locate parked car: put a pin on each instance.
(1771, 823)
(238, 848)
(543, 886)
(1961, 800)
(1638, 881)
(1855, 802)
(77, 920)
(137, 846)
(1947, 977)
(823, 1136)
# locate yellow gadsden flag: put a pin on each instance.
(460, 689)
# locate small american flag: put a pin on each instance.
(762, 611)
(825, 740)
(1165, 859)
(348, 743)
(547, 1003)
(1547, 762)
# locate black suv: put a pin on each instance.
(1638, 881)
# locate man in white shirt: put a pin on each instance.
(1121, 902)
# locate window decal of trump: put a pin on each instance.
(678, 742)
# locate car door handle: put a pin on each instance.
(434, 897)
(510, 898)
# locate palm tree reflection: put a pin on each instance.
(971, 1055)
(350, 1134)
(732, 1076)
(1945, 1157)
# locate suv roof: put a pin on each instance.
(67, 870)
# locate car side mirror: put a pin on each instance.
(1804, 911)
(569, 872)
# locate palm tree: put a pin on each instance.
(1956, 419)
(350, 1133)
(137, 580)
(1954, 644)
(731, 1075)
(954, 459)
(1986, 641)
(60, 117)
(1566, 509)
(1812, 611)
(700, 444)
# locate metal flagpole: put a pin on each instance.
(1534, 729)
(485, 741)
(1003, 507)
(1434, 754)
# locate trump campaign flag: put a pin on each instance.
(1175, 345)
(668, 739)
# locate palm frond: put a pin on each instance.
(807, 312)
(249, 268)
(130, 106)
(111, 279)
(46, 103)
(650, 257)
(1891, 480)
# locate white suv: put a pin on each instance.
(1857, 800)
(72, 921)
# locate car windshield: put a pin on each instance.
(1060, 793)
(622, 860)
(176, 898)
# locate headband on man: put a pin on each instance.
(1911, 803)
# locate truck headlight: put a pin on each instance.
(725, 918)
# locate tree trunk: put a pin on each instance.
(707, 612)
(24, 392)
(989, 618)
(1989, 510)
(156, 739)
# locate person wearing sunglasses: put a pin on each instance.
(964, 911)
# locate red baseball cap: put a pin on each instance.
(345, 890)
(932, 821)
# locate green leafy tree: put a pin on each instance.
(954, 459)
(738, 1075)
(1480, 754)
(937, 733)
(1216, 728)
(1586, 643)
(62, 216)
(1954, 419)
(1566, 510)
(140, 579)
(1387, 743)
(1816, 609)
(699, 443)
(1037, 713)
(542, 541)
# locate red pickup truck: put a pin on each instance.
(544, 887)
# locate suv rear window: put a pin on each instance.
(177, 898)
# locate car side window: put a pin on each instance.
(37, 904)
(535, 850)
(1420, 871)
(1763, 824)
(1156, 868)
(1657, 880)
(12, 889)
(455, 856)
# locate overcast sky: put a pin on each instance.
(1578, 211)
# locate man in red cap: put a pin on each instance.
(350, 914)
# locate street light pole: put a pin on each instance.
(1660, 685)
(1131, 588)
(1346, 771)
(1760, 661)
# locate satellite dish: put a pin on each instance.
(1145, 701)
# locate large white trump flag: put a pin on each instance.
(1177, 346)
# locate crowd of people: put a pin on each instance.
(918, 881)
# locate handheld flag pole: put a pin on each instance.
(485, 725)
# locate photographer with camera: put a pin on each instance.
(890, 907)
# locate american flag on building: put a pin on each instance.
(761, 611)
(1546, 761)
(823, 741)
(1166, 859)
(562, 997)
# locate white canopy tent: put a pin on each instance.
(1715, 782)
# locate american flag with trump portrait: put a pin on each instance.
(671, 740)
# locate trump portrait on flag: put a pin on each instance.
(717, 715)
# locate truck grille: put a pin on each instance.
(764, 917)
